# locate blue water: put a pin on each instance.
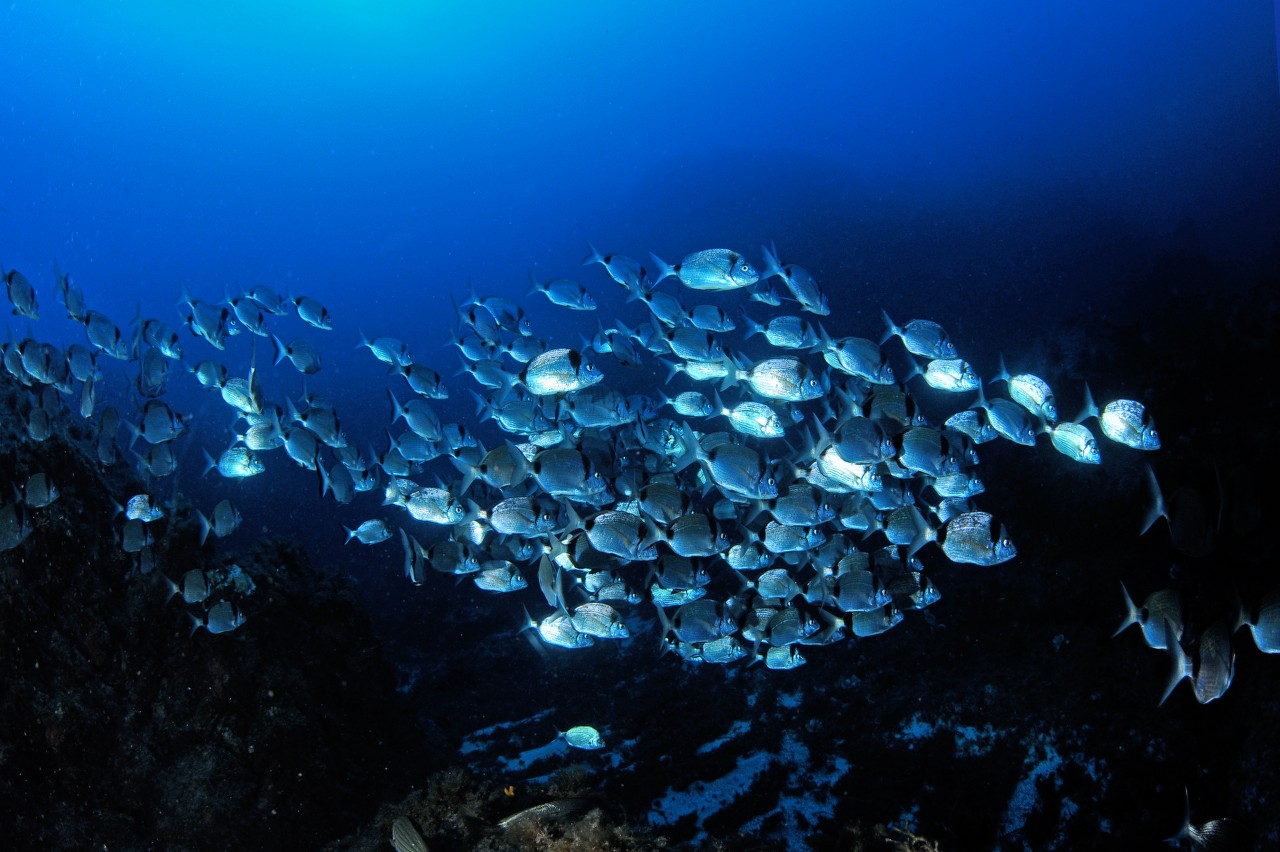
(998, 166)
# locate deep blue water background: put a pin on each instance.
(998, 167)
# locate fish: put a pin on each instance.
(624, 270)
(1160, 616)
(582, 737)
(953, 375)
(1265, 628)
(235, 463)
(385, 349)
(21, 294)
(710, 269)
(785, 332)
(39, 491)
(559, 371)
(921, 337)
(1124, 421)
(222, 617)
(1076, 442)
(225, 520)
(499, 576)
(139, 507)
(969, 538)
(857, 357)
(1210, 670)
(802, 286)
(373, 531)
(300, 352)
(786, 378)
(563, 292)
(312, 312)
(1031, 392)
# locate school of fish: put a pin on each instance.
(769, 491)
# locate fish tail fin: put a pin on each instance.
(663, 269)
(1242, 612)
(892, 330)
(472, 298)
(484, 410)
(771, 265)
(1131, 613)
(693, 451)
(171, 586)
(925, 533)
(753, 327)
(574, 522)
(1002, 375)
(196, 624)
(350, 534)
(664, 629)
(593, 255)
(279, 349)
(397, 410)
(364, 341)
(912, 372)
(323, 475)
(1179, 662)
(824, 343)
(534, 285)
(205, 526)
(209, 463)
(1090, 407)
(1158, 508)
(673, 368)
(528, 622)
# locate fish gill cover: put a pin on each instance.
(796, 385)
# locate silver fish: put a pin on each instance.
(300, 352)
(312, 313)
(802, 286)
(1210, 671)
(499, 577)
(1075, 442)
(969, 538)
(1031, 392)
(563, 292)
(223, 617)
(921, 337)
(267, 299)
(953, 375)
(583, 737)
(626, 271)
(1265, 629)
(858, 357)
(139, 507)
(373, 531)
(1124, 421)
(423, 380)
(710, 269)
(387, 349)
(786, 378)
(235, 463)
(559, 371)
(21, 294)
(225, 520)
(785, 332)
(1160, 615)
(599, 620)
(39, 491)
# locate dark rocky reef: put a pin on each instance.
(119, 729)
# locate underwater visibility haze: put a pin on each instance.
(664, 426)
